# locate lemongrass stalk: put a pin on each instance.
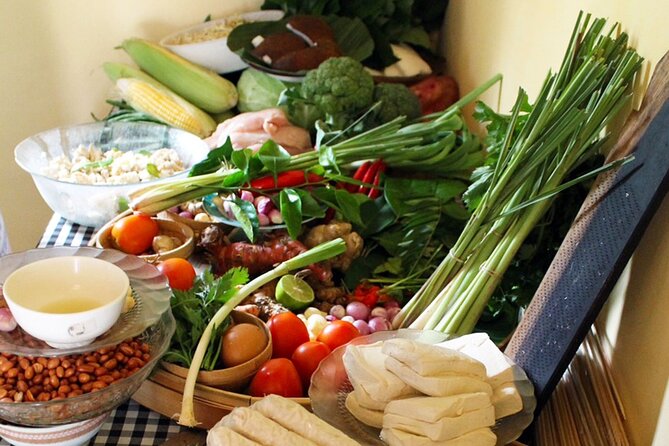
(317, 254)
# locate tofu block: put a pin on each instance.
(506, 400)
(427, 360)
(224, 436)
(473, 339)
(369, 417)
(365, 368)
(433, 408)
(366, 401)
(443, 385)
(254, 425)
(446, 428)
(296, 418)
(478, 437)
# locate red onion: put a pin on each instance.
(379, 324)
(246, 196)
(7, 321)
(186, 214)
(362, 327)
(348, 319)
(275, 216)
(264, 204)
(378, 311)
(392, 312)
(263, 220)
(357, 310)
(330, 318)
(338, 311)
(392, 303)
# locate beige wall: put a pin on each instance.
(521, 40)
(51, 53)
(50, 75)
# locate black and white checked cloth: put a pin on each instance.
(130, 424)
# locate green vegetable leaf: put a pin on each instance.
(327, 159)
(404, 194)
(350, 206)
(214, 160)
(246, 214)
(153, 170)
(352, 36)
(258, 91)
(247, 161)
(290, 205)
(95, 165)
(274, 157)
(310, 207)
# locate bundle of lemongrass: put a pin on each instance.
(532, 159)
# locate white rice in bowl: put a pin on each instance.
(91, 165)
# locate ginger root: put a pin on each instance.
(330, 231)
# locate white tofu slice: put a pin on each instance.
(428, 360)
(446, 428)
(506, 400)
(479, 437)
(499, 368)
(295, 417)
(369, 417)
(443, 385)
(254, 425)
(365, 368)
(433, 408)
(366, 401)
(473, 339)
(224, 436)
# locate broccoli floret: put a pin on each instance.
(339, 86)
(396, 100)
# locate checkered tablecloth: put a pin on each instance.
(130, 424)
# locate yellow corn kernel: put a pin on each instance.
(165, 106)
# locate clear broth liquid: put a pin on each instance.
(70, 305)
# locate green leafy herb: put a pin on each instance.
(290, 205)
(246, 214)
(153, 170)
(95, 165)
(193, 309)
(274, 157)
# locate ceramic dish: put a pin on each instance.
(150, 292)
(71, 434)
(214, 53)
(83, 407)
(183, 232)
(330, 386)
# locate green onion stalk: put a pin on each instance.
(319, 253)
(540, 148)
(427, 143)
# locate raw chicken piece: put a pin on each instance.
(252, 129)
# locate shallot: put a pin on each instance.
(379, 311)
(357, 310)
(7, 321)
(379, 324)
(338, 311)
(362, 326)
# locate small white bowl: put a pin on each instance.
(71, 434)
(215, 54)
(66, 301)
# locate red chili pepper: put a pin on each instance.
(375, 192)
(367, 294)
(369, 176)
(289, 178)
(358, 175)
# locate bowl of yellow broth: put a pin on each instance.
(66, 301)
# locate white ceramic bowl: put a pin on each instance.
(66, 301)
(215, 54)
(96, 204)
(71, 434)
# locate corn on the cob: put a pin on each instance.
(198, 85)
(118, 70)
(165, 106)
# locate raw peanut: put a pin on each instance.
(29, 396)
(72, 379)
(6, 400)
(84, 378)
(104, 358)
(3, 393)
(69, 372)
(11, 381)
(146, 357)
(48, 387)
(90, 358)
(2, 381)
(74, 393)
(145, 347)
(42, 360)
(106, 378)
(60, 371)
(51, 372)
(138, 353)
(64, 389)
(120, 357)
(54, 394)
(87, 387)
(94, 364)
(35, 390)
(22, 386)
(24, 363)
(12, 373)
(18, 397)
(85, 368)
(116, 375)
(44, 396)
(79, 362)
(104, 350)
(111, 364)
(29, 373)
(135, 363)
(6, 366)
(38, 379)
(66, 363)
(52, 363)
(74, 386)
(11, 393)
(126, 350)
(99, 371)
(99, 385)
(38, 367)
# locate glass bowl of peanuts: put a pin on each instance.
(43, 391)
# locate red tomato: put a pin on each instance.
(307, 357)
(288, 332)
(338, 333)
(279, 377)
(180, 273)
(134, 234)
(436, 93)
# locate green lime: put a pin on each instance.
(294, 293)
